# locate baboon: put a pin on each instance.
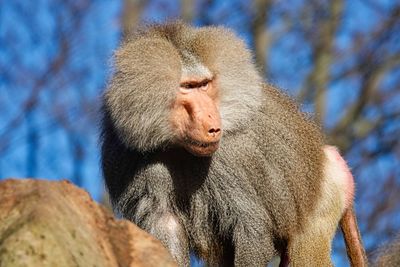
(202, 154)
(388, 255)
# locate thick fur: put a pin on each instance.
(312, 245)
(388, 255)
(256, 195)
(148, 72)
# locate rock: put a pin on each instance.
(44, 223)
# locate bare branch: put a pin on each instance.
(261, 37)
(131, 15)
(370, 81)
(319, 76)
(187, 10)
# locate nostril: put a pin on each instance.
(214, 131)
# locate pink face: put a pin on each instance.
(195, 116)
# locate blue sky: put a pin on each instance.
(63, 122)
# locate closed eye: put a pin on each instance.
(194, 84)
(189, 85)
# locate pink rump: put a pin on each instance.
(334, 156)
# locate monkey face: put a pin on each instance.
(176, 85)
(195, 116)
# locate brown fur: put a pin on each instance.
(262, 190)
(388, 255)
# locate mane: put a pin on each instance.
(148, 71)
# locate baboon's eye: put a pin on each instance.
(204, 84)
(189, 85)
(194, 85)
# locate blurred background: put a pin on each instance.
(340, 59)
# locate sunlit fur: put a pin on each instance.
(388, 255)
(148, 71)
(266, 187)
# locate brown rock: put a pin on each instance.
(44, 223)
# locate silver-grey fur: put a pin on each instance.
(154, 63)
(388, 255)
(243, 204)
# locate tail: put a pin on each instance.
(354, 247)
(348, 223)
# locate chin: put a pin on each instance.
(204, 150)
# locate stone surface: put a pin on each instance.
(44, 223)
